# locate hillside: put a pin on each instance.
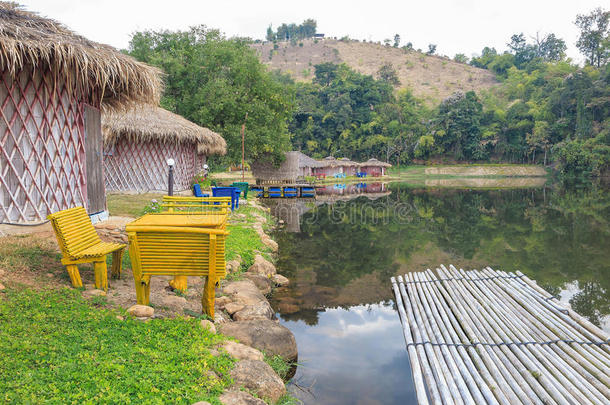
(431, 78)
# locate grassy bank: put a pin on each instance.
(59, 347)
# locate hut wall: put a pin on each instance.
(370, 170)
(287, 172)
(42, 153)
(141, 166)
(328, 171)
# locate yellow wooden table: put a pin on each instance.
(180, 245)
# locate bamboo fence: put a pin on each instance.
(491, 337)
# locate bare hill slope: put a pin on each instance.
(431, 78)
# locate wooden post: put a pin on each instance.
(243, 147)
(207, 300)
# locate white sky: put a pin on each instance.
(456, 26)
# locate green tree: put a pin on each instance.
(214, 82)
(388, 74)
(396, 41)
(431, 49)
(461, 58)
(593, 41)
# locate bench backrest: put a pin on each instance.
(74, 230)
(177, 250)
(207, 205)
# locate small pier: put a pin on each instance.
(284, 191)
(491, 337)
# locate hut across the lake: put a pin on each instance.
(296, 166)
(52, 85)
(374, 167)
(138, 142)
(330, 166)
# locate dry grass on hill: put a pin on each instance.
(431, 78)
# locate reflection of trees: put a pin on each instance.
(591, 301)
(554, 236)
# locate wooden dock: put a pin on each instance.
(491, 337)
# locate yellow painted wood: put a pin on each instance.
(180, 251)
(185, 205)
(79, 243)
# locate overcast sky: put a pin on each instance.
(458, 26)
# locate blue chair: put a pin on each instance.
(232, 192)
(197, 191)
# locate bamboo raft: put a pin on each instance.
(492, 337)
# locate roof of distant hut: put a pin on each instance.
(27, 39)
(306, 161)
(145, 122)
(331, 161)
(375, 162)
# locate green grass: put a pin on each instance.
(59, 348)
(129, 205)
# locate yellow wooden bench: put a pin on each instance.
(176, 251)
(80, 243)
(187, 205)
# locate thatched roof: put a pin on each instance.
(375, 162)
(27, 39)
(331, 161)
(306, 161)
(145, 122)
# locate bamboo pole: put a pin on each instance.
(596, 358)
(506, 374)
(427, 370)
(480, 392)
(535, 331)
(416, 368)
(439, 369)
(534, 374)
(514, 330)
(457, 385)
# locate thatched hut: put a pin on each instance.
(52, 85)
(138, 142)
(374, 167)
(295, 166)
(331, 166)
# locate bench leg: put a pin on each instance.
(101, 276)
(74, 275)
(117, 257)
(142, 290)
(209, 294)
(179, 283)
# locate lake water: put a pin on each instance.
(341, 250)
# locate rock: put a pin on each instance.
(262, 266)
(264, 335)
(242, 216)
(141, 311)
(94, 293)
(243, 292)
(262, 310)
(220, 318)
(202, 403)
(232, 266)
(233, 307)
(270, 243)
(220, 302)
(239, 398)
(280, 280)
(2, 287)
(2, 272)
(258, 377)
(174, 301)
(263, 283)
(242, 352)
(238, 259)
(120, 318)
(205, 324)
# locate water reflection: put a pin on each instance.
(341, 254)
(341, 361)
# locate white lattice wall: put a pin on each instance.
(142, 166)
(42, 154)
